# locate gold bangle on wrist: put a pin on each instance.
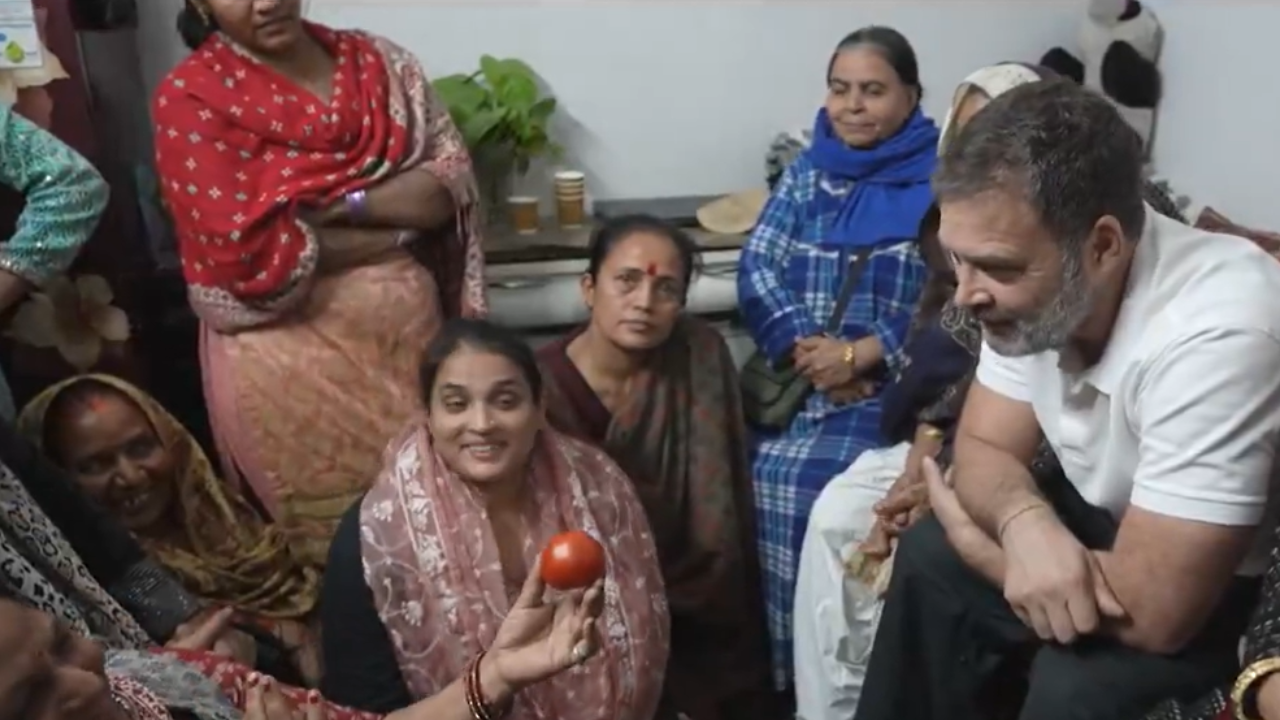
(932, 433)
(850, 355)
(1246, 707)
(1015, 515)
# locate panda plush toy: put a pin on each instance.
(1118, 54)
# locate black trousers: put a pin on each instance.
(945, 630)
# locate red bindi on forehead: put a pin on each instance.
(97, 402)
(652, 270)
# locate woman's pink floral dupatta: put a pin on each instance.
(432, 563)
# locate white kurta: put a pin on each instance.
(835, 614)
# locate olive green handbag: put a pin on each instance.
(773, 395)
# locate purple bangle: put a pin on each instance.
(357, 209)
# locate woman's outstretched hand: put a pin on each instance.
(540, 638)
(211, 631)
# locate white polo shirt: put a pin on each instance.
(1181, 416)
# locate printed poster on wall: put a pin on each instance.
(19, 37)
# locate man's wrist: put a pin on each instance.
(1018, 513)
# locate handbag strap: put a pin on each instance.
(857, 266)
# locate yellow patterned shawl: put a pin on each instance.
(229, 554)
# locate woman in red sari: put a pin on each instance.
(325, 211)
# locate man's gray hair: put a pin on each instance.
(1064, 149)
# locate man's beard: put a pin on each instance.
(1051, 328)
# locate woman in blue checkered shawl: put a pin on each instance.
(861, 187)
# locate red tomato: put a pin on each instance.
(572, 560)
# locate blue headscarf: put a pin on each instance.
(891, 180)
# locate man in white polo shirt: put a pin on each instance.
(1147, 353)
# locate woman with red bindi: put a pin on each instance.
(657, 389)
(137, 461)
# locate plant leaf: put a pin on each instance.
(460, 93)
(517, 67)
(493, 70)
(480, 127)
(460, 119)
(518, 92)
(543, 109)
(535, 146)
(511, 118)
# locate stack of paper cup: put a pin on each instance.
(571, 192)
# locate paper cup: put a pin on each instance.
(571, 212)
(570, 183)
(524, 214)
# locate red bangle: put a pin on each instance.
(475, 697)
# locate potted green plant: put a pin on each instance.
(504, 120)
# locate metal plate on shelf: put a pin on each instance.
(533, 253)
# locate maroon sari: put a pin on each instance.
(682, 441)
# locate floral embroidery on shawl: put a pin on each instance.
(204, 684)
(137, 701)
(432, 563)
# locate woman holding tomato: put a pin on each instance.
(657, 389)
(423, 571)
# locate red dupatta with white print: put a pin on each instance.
(240, 149)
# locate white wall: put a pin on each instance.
(676, 98)
(158, 45)
(1218, 133)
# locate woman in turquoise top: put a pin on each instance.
(64, 195)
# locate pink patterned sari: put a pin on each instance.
(432, 563)
(308, 373)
